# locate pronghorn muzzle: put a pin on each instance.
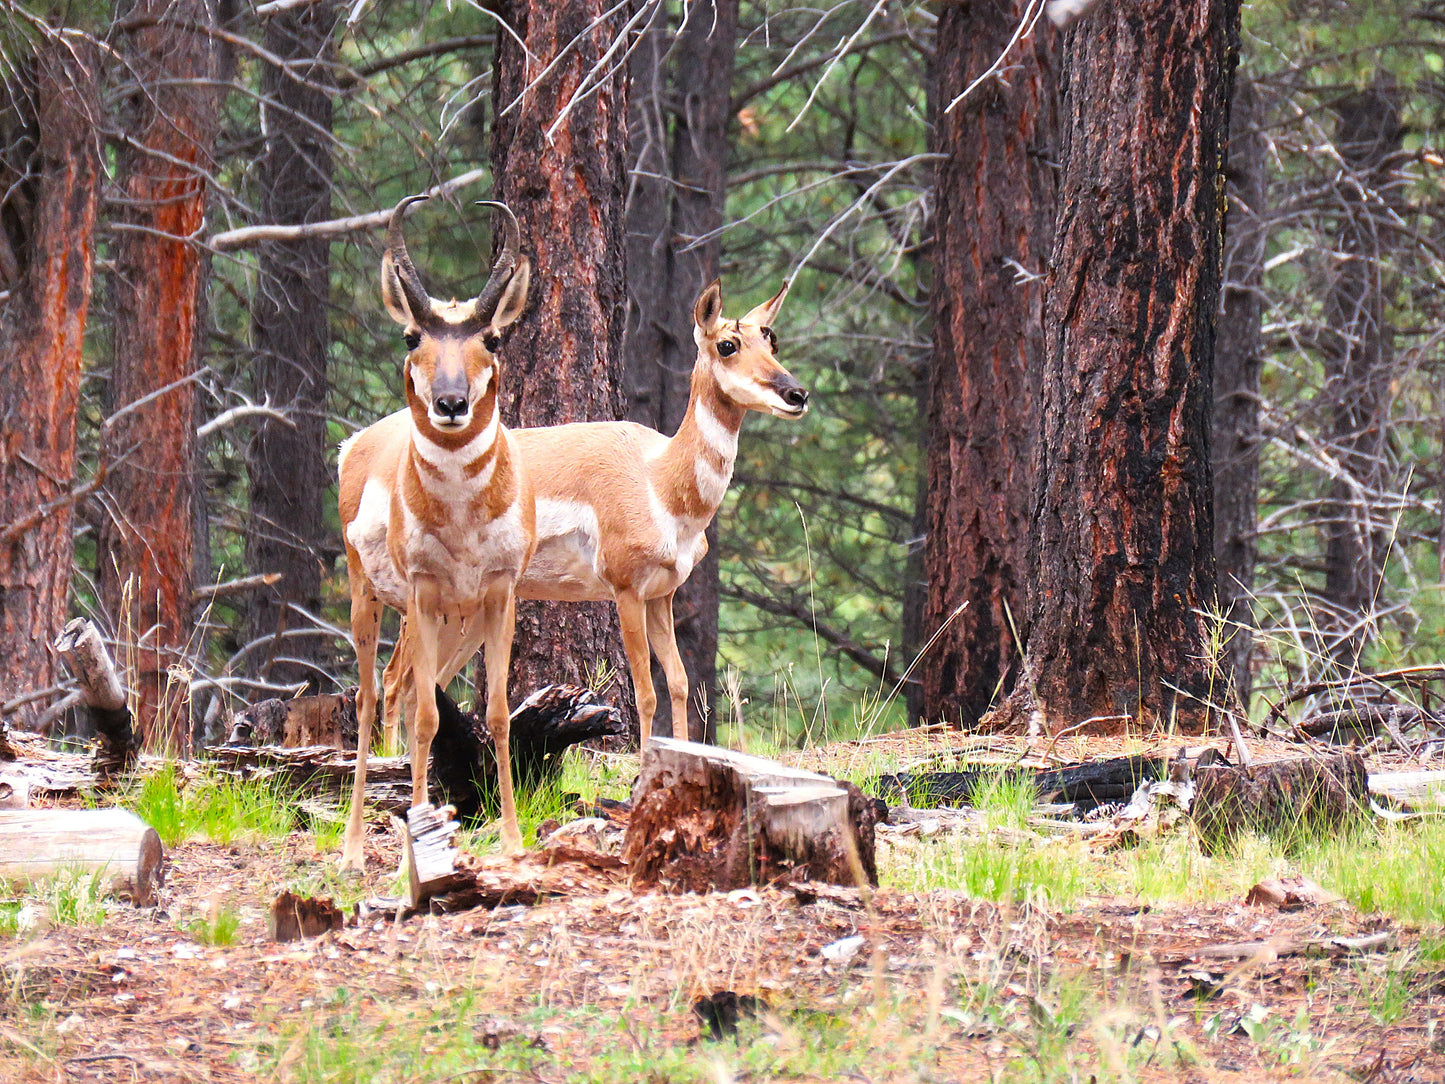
(790, 392)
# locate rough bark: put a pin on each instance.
(1300, 799)
(1358, 354)
(563, 359)
(1237, 355)
(678, 134)
(88, 660)
(146, 539)
(1121, 518)
(49, 209)
(289, 478)
(995, 195)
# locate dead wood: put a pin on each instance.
(1365, 711)
(1289, 894)
(113, 842)
(1288, 796)
(1416, 791)
(88, 661)
(300, 721)
(710, 819)
(1085, 786)
(7, 751)
(1305, 946)
(294, 917)
(428, 856)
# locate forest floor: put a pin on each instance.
(911, 982)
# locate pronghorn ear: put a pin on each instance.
(767, 312)
(707, 310)
(392, 295)
(514, 297)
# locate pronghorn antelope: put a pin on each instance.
(436, 510)
(622, 509)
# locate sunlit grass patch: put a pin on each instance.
(212, 807)
(1393, 868)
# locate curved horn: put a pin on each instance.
(417, 299)
(506, 260)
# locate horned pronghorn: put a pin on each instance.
(436, 509)
(622, 509)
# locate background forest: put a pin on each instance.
(172, 408)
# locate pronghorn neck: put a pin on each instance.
(703, 450)
(455, 466)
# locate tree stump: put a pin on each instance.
(709, 819)
(42, 842)
(1287, 796)
(300, 721)
(88, 660)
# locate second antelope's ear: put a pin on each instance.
(767, 312)
(707, 310)
(392, 295)
(514, 297)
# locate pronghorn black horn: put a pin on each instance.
(417, 299)
(505, 262)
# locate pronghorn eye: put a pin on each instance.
(491, 342)
(413, 339)
(726, 348)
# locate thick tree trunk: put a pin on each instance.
(563, 358)
(146, 541)
(678, 132)
(42, 327)
(1237, 354)
(289, 478)
(1122, 520)
(1358, 355)
(995, 193)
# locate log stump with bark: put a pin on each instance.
(88, 660)
(1284, 797)
(113, 842)
(709, 819)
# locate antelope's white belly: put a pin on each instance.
(367, 534)
(567, 565)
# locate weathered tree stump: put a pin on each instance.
(295, 917)
(300, 721)
(42, 842)
(709, 819)
(1287, 796)
(89, 663)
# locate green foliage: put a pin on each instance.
(218, 927)
(211, 807)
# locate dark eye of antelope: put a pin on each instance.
(726, 348)
(491, 342)
(413, 339)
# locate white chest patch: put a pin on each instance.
(367, 535)
(450, 467)
(566, 565)
(469, 554)
(719, 437)
(712, 484)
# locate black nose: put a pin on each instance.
(452, 406)
(796, 397)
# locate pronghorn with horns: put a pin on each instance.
(437, 511)
(622, 510)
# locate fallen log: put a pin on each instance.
(1416, 791)
(709, 819)
(115, 842)
(301, 721)
(88, 661)
(1085, 786)
(1289, 797)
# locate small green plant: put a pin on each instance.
(218, 927)
(73, 898)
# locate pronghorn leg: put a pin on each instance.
(423, 617)
(365, 621)
(663, 637)
(632, 612)
(499, 622)
(394, 682)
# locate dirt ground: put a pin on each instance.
(940, 987)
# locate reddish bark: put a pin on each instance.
(146, 541)
(562, 361)
(43, 327)
(995, 198)
(1122, 510)
(679, 116)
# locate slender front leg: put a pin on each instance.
(499, 622)
(632, 613)
(424, 619)
(395, 680)
(662, 635)
(365, 619)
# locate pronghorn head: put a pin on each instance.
(451, 362)
(741, 355)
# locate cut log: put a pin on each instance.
(1290, 797)
(88, 661)
(43, 842)
(710, 819)
(298, 722)
(1417, 791)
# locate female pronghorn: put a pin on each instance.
(622, 509)
(436, 511)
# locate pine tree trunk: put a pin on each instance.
(995, 194)
(1237, 355)
(1122, 518)
(289, 478)
(563, 358)
(43, 327)
(678, 132)
(1358, 356)
(146, 540)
